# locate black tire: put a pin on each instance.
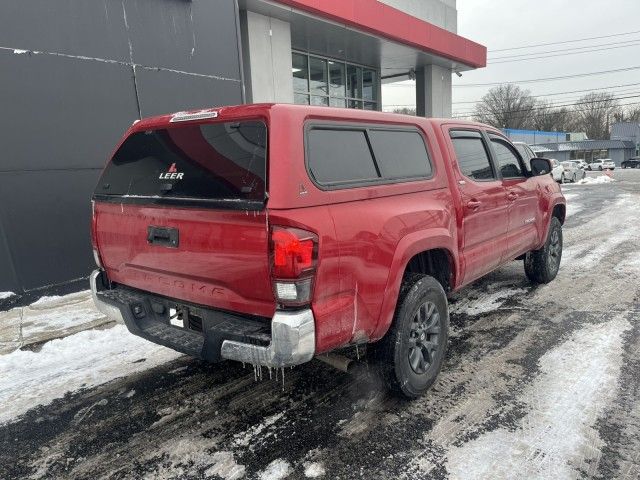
(541, 266)
(574, 178)
(412, 352)
(562, 179)
(600, 168)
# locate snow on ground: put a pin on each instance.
(476, 303)
(86, 359)
(572, 207)
(48, 318)
(314, 470)
(5, 295)
(595, 180)
(577, 381)
(276, 470)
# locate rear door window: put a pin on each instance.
(220, 161)
(472, 156)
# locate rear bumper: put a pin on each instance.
(285, 340)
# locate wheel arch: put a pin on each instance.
(433, 254)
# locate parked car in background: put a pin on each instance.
(608, 164)
(572, 172)
(581, 164)
(557, 171)
(631, 163)
(596, 165)
(270, 234)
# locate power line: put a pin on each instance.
(566, 49)
(563, 105)
(565, 42)
(548, 79)
(561, 93)
(544, 57)
(620, 95)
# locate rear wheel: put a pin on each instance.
(410, 356)
(541, 266)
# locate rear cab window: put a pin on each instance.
(214, 163)
(346, 156)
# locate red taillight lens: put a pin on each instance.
(294, 255)
(294, 251)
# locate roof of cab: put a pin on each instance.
(264, 109)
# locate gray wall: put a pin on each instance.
(74, 75)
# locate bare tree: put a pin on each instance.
(594, 113)
(548, 118)
(506, 106)
(630, 114)
(405, 111)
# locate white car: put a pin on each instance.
(581, 163)
(603, 164)
(572, 172)
(557, 171)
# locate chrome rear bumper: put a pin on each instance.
(111, 311)
(293, 334)
(293, 341)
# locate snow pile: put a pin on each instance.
(86, 359)
(556, 437)
(5, 295)
(49, 318)
(314, 470)
(595, 180)
(276, 470)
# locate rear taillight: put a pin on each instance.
(94, 242)
(294, 255)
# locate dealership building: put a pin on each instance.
(77, 73)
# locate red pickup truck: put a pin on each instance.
(270, 234)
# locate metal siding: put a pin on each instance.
(66, 103)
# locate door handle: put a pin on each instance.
(473, 204)
(512, 196)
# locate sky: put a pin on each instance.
(502, 24)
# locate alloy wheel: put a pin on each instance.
(424, 338)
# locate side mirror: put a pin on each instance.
(540, 166)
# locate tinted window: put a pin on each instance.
(212, 161)
(473, 159)
(340, 156)
(524, 151)
(507, 160)
(400, 154)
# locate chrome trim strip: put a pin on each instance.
(185, 117)
(293, 341)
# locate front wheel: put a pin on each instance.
(562, 179)
(412, 352)
(541, 266)
(575, 178)
(600, 168)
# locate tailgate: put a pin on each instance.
(180, 212)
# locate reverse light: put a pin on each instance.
(294, 255)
